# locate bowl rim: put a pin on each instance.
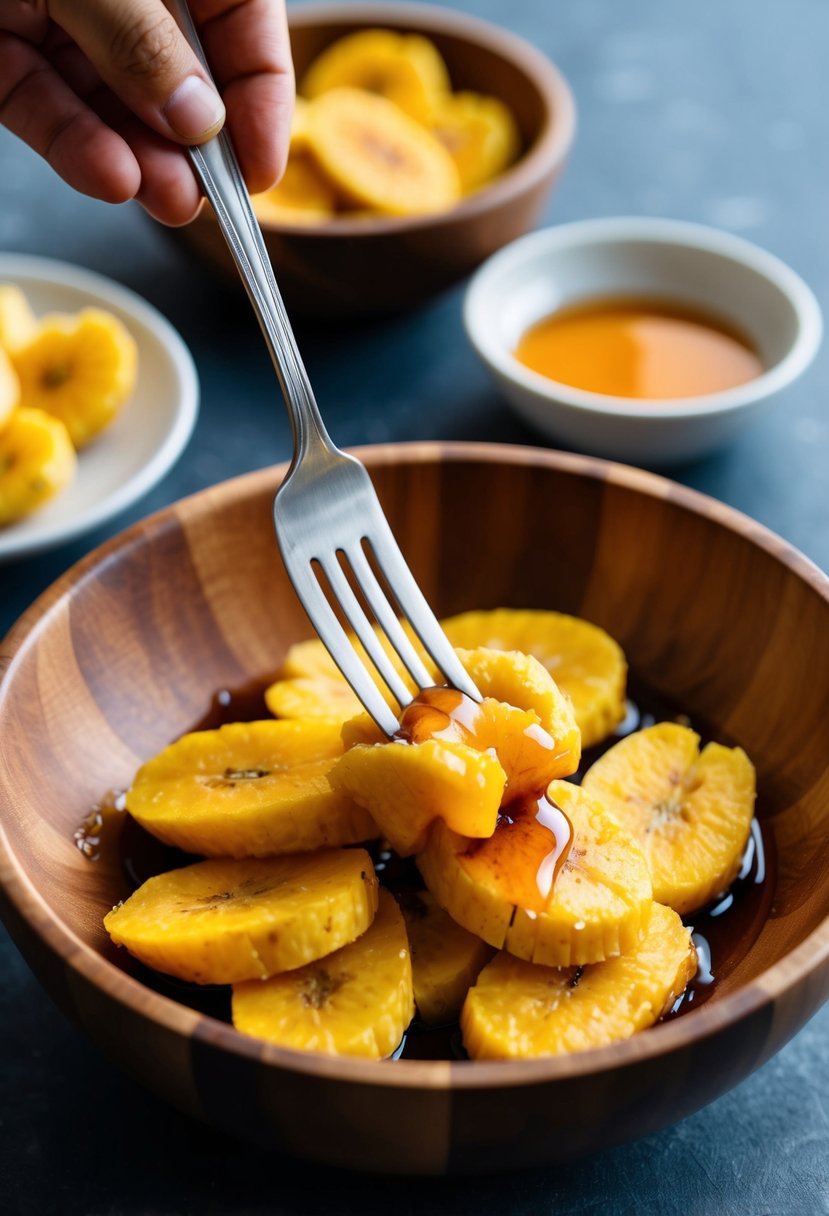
(638, 230)
(175, 1017)
(545, 156)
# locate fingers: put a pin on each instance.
(259, 119)
(168, 190)
(249, 51)
(139, 51)
(55, 97)
(40, 107)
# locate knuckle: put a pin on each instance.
(146, 47)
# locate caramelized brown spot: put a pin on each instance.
(320, 986)
(56, 375)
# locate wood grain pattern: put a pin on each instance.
(372, 266)
(125, 651)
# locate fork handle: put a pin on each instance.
(219, 175)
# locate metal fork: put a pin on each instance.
(326, 511)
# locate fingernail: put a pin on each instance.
(195, 109)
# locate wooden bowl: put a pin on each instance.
(125, 651)
(371, 266)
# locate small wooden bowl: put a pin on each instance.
(373, 265)
(125, 651)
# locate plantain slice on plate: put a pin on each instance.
(17, 321)
(220, 921)
(9, 388)
(357, 1001)
(80, 368)
(249, 789)
(37, 460)
(518, 1010)
(547, 899)
(691, 810)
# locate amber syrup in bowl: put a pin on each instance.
(648, 349)
(722, 933)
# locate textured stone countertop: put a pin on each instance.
(715, 112)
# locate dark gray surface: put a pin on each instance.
(715, 111)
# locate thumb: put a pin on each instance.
(140, 52)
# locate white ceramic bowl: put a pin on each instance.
(670, 259)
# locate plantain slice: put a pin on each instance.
(406, 69)
(520, 682)
(303, 196)
(404, 789)
(378, 157)
(220, 922)
(9, 388)
(356, 1001)
(479, 133)
(690, 809)
(446, 958)
(37, 460)
(17, 321)
(584, 661)
(312, 687)
(560, 900)
(518, 1010)
(79, 368)
(249, 789)
(460, 760)
(299, 127)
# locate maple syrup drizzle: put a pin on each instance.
(723, 933)
(533, 836)
(525, 854)
(441, 713)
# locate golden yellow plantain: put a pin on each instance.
(518, 1010)
(220, 922)
(356, 1001)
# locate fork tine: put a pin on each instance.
(387, 617)
(359, 622)
(337, 642)
(424, 622)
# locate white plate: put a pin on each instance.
(148, 435)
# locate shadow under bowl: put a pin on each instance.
(373, 265)
(125, 652)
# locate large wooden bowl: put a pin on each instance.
(370, 266)
(124, 652)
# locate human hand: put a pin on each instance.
(108, 91)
